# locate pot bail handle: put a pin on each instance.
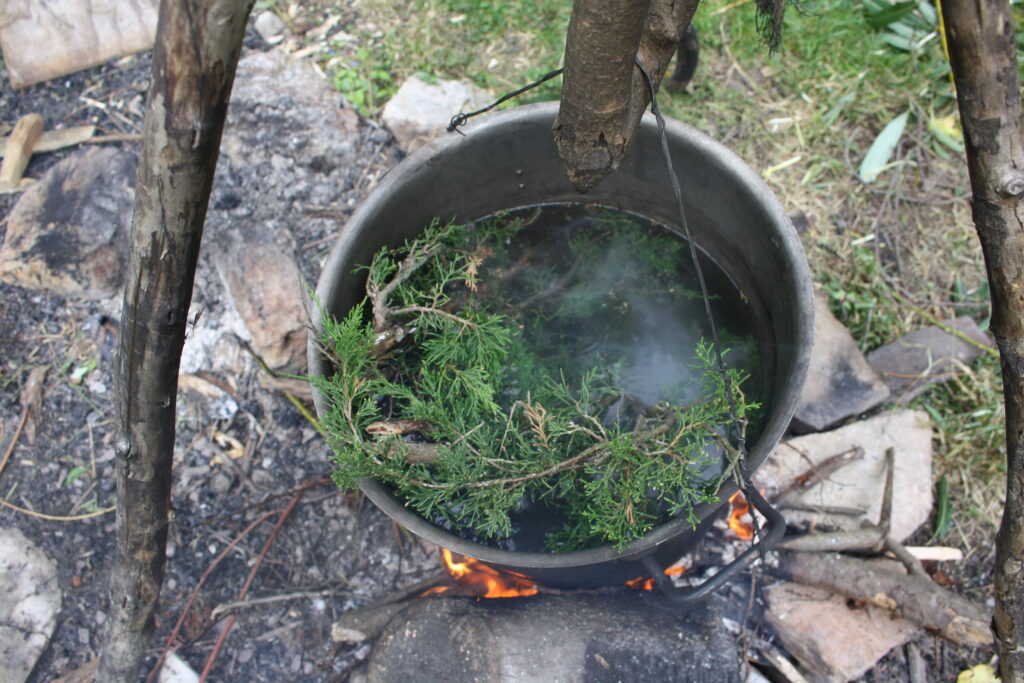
(777, 524)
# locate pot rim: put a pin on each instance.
(788, 243)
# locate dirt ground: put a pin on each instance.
(334, 553)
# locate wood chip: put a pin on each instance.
(936, 553)
(18, 149)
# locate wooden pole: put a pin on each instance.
(197, 49)
(983, 55)
(603, 93)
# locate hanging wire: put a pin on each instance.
(738, 426)
(460, 119)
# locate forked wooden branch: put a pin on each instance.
(603, 93)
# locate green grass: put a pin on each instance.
(805, 118)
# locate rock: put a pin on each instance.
(420, 112)
(67, 234)
(613, 637)
(220, 483)
(830, 639)
(925, 357)
(268, 25)
(265, 285)
(177, 670)
(29, 601)
(840, 383)
(860, 484)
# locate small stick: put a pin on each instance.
(14, 439)
(57, 518)
(282, 518)
(195, 592)
(820, 471)
(823, 509)
(868, 538)
(885, 517)
(943, 326)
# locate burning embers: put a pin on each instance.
(646, 583)
(739, 517)
(474, 578)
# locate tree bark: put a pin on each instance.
(197, 49)
(983, 55)
(604, 95)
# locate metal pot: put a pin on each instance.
(508, 160)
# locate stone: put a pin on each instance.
(420, 111)
(840, 383)
(268, 25)
(619, 636)
(30, 599)
(832, 640)
(68, 233)
(177, 670)
(916, 361)
(859, 484)
(263, 280)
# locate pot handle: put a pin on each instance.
(776, 522)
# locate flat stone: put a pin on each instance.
(268, 25)
(621, 636)
(840, 383)
(860, 484)
(68, 233)
(925, 357)
(29, 601)
(831, 640)
(262, 277)
(420, 111)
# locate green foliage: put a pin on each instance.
(500, 426)
(862, 300)
(365, 79)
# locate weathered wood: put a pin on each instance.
(912, 597)
(983, 55)
(198, 44)
(52, 140)
(18, 149)
(604, 95)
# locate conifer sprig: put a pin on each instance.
(437, 394)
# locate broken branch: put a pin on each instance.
(917, 599)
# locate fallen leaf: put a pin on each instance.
(229, 444)
(880, 153)
(983, 673)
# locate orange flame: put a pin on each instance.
(743, 528)
(476, 578)
(646, 583)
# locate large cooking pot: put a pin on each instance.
(508, 160)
